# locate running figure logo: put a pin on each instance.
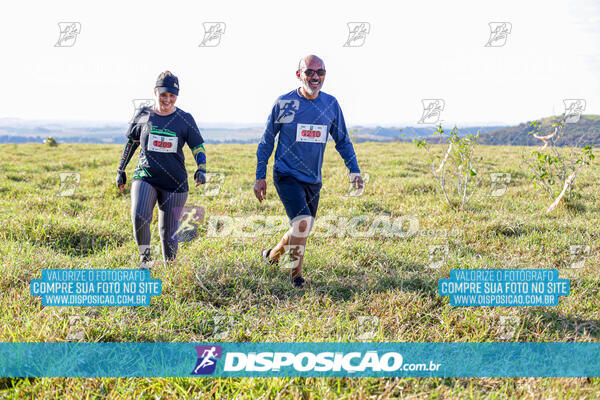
(287, 111)
(579, 253)
(207, 359)
(212, 34)
(499, 32)
(291, 258)
(138, 104)
(357, 33)
(573, 110)
(432, 110)
(68, 34)
(190, 219)
(437, 256)
(69, 181)
(214, 182)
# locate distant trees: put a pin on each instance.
(50, 141)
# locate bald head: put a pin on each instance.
(311, 72)
(311, 61)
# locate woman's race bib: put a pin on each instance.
(162, 144)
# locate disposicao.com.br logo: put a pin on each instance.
(290, 364)
(207, 359)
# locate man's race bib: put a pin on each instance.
(311, 133)
(162, 144)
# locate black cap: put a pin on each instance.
(169, 83)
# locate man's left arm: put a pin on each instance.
(343, 144)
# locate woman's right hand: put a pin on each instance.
(121, 179)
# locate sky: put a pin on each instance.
(412, 51)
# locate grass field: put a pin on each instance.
(358, 288)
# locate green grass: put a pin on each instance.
(218, 288)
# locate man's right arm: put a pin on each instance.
(264, 151)
(128, 151)
(267, 142)
(133, 141)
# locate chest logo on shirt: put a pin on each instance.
(287, 111)
(311, 133)
(162, 144)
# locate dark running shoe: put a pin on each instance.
(298, 282)
(265, 256)
(145, 261)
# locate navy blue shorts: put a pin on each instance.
(298, 198)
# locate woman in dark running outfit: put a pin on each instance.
(160, 176)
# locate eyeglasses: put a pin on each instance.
(311, 72)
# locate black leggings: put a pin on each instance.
(170, 206)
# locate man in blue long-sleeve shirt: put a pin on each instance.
(304, 119)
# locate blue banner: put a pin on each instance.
(504, 287)
(299, 359)
(95, 287)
